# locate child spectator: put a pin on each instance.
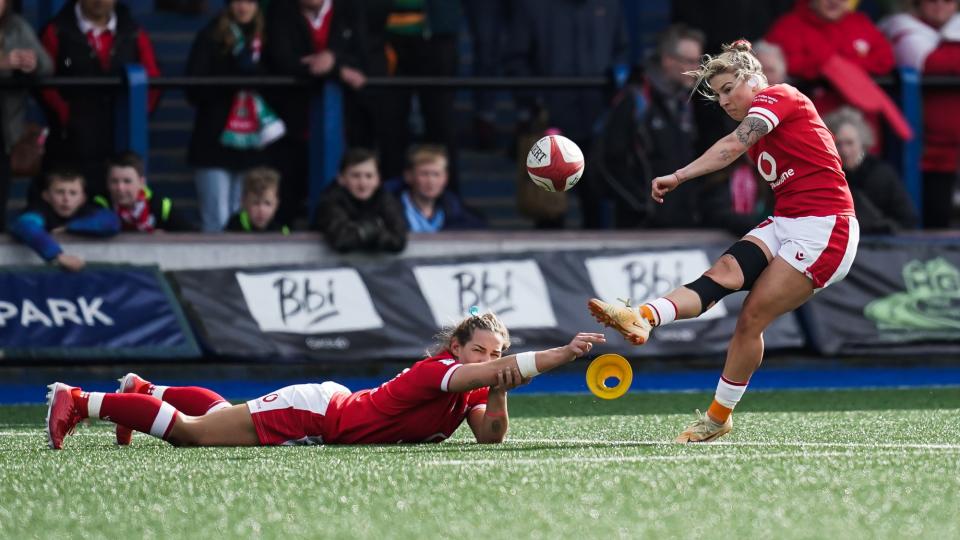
(427, 203)
(232, 127)
(90, 38)
(261, 197)
(138, 208)
(356, 214)
(315, 39)
(63, 208)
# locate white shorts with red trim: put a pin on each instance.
(820, 247)
(293, 414)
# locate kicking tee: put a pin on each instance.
(413, 407)
(797, 157)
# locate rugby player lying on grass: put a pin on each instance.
(465, 379)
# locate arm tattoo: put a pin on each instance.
(750, 130)
(496, 426)
(725, 154)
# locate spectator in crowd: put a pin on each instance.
(307, 38)
(365, 108)
(90, 38)
(881, 202)
(567, 38)
(669, 120)
(63, 207)
(651, 131)
(927, 38)
(231, 128)
(723, 23)
(424, 36)
(486, 20)
(261, 198)
(773, 61)
(824, 40)
(427, 203)
(137, 206)
(356, 213)
(21, 55)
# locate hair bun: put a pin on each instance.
(741, 45)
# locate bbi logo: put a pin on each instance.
(307, 302)
(514, 290)
(644, 277)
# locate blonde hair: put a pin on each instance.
(260, 180)
(463, 332)
(425, 153)
(737, 58)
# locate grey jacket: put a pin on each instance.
(17, 34)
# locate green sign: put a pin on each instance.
(928, 308)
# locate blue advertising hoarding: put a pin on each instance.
(101, 312)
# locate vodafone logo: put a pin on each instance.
(767, 166)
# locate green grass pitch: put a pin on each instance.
(842, 464)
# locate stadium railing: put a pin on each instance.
(326, 144)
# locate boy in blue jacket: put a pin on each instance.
(63, 208)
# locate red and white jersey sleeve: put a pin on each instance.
(414, 406)
(797, 156)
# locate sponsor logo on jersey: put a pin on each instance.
(766, 99)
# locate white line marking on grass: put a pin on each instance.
(798, 444)
(677, 458)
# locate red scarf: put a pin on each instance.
(139, 217)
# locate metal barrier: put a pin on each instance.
(326, 142)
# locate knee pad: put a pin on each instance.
(708, 290)
(751, 259)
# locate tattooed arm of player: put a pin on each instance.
(722, 153)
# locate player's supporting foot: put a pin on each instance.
(703, 429)
(62, 414)
(631, 325)
(131, 383)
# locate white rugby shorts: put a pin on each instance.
(821, 247)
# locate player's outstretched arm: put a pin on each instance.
(722, 153)
(472, 376)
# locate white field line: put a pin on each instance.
(798, 444)
(678, 458)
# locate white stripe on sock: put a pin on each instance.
(665, 311)
(94, 401)
(728, 394)
(158, 391)
(163, 420)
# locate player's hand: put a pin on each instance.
(583, 342)
(662, 185)
(70, 262)
(508, 379)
